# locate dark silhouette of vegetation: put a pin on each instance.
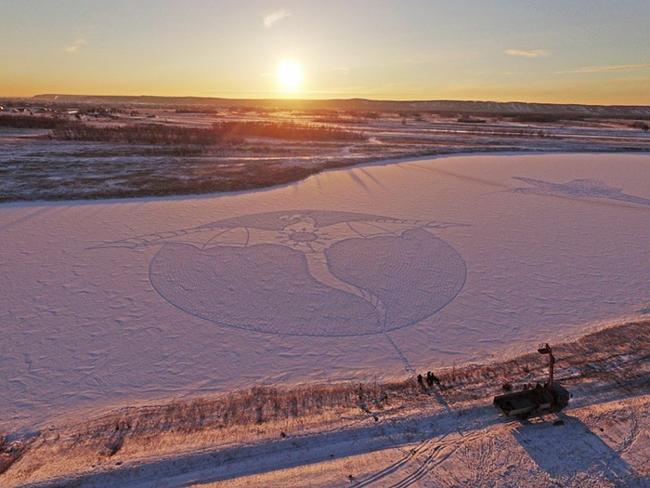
(219, 133)
(317, 113)
(338, 120)
(544, 118)
(468, 119)
(197, 110)
(286, 130)
(362, 114)
(138, 134)
(32, 122)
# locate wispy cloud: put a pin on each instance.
(528, 53)
(75, 45)
(274, 17)
(615, 68)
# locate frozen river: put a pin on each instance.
(368, 272)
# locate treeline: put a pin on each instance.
(640, 125)
(197, 110)
(221, 132)
(338, 120)
(468, 119)
(32, 122)
(286, 130)
(545, 118)
(137, 134)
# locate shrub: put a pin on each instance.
(32, 122)
(468, 119)
(137, 134)
(640, 125)
(285, 130)
(220, 132)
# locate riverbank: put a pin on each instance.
(333, 431)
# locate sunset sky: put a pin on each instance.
(584, 51)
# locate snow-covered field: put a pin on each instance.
(39, 164)
(371, 434)
(363, 273)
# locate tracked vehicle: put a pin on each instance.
(538, 399)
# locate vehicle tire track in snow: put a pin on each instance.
(432, 461)
(387, 471)
(220, 464)
(436, 451)
(631, 436)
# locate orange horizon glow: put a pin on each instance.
(423, 50)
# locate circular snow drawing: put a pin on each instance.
(307, 272)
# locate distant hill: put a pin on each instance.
(360, 104)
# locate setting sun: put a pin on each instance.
(365, 241)
(289, 75)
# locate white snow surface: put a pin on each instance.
(361, 273)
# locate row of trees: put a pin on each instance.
(285, 130)
(32, 122)
(136, 134)
(640, 125)
(220, 132)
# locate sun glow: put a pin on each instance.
(289, 75)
